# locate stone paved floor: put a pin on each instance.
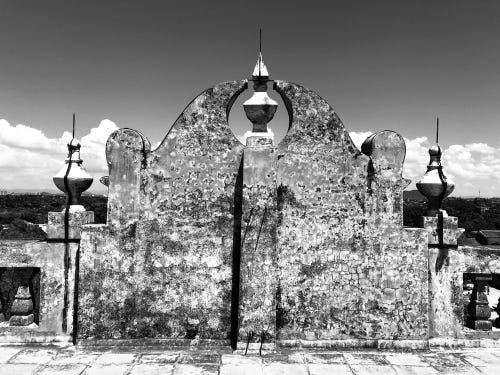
(143, 361)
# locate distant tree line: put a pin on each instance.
(34, 207)
(473, 214)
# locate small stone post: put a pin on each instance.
(479, 309)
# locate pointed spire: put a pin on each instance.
(437, 130)
(260, 69)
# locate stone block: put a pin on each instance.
(451, 231)
(481, 325)
(55, 224)
(21, 321)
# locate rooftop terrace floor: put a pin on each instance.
(138, 361)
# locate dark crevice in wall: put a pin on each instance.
(75, 296)
(235, 290)
(12, 279)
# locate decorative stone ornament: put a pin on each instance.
(435, 185)
(479, 309)
(73, 179)
(260, 108)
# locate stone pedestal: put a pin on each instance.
(76, 219)
(257, 307)
(442, 234)
(479, 309)
(451, 231)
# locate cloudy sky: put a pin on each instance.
(381, 64)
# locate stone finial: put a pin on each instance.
(260, 108)
(434, 184)
(73, 179)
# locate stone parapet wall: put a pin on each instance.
(209, 240)
(446, 296)
(56, 289)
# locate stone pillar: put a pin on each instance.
(479, 309)
(76, 219)
(258, 275)
(442, 234)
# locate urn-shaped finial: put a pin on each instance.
(434, 184)
(73, 179)
(260, 108)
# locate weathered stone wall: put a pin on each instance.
(301, 241)
(347, 268)
(446, 287)
(163, 266)
(55, 311)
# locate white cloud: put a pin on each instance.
(472, 167)
(29, 159)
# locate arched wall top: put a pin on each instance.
(313, 122)
(387, 145)
(123, 140)
(204, 122)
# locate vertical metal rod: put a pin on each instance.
(260, 49)
(260, 40)
(437, 130)
(66, 240)
(73, 125)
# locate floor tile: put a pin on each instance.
(405, 359)
(197, 369)
(443, 360)
(7, 353)
(18, 369)
(324, 358)
(373, 370)
(285, 369)
(111, 369)
(242, 369)
(152, 369)
(116, 358)
(73, 369)
(35, 356)
(165, 357)
(365, 359)
(329, 369)
(414, 370)
(239, 359)
(481, 359)
(209, 358)
(489, 370)
(66, 359)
